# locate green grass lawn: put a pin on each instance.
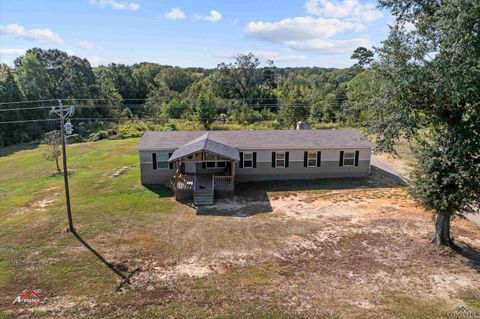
(103, 206)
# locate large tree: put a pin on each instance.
(240, 78)
(53, 74)
(428, 90)
(294, 108)
(363, 56)
(205, 109)
(10, 92)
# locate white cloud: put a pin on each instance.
(263, 55)
(94, 60)
(308, 34)
(348, 9)
(328, 46)
(86, 45)
(7, 56)
(214, 16)
(12, 52)
(299, 28)
(116, 5)
(42, 35)
(175, 14)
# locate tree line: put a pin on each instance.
(243, 91)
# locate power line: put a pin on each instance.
(72, 100)
(130, 99)
(137, 119)
(54, 100)
(144, 106)
(27, 121)
(31, 101)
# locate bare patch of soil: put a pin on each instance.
(39, 205)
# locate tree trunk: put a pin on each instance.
(442, 231)
(58, 167)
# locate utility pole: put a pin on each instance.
(63, 112)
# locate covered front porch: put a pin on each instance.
(202, 169)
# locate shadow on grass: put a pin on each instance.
(120, 270)
(472, 254)
(239, 206)
(161, 190)
(59, 175)
(9, 150)
(377, 179)
(252, 198)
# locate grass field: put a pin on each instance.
(322, 249)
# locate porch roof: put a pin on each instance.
(205, 143)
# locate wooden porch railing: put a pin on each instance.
(223, 182)
(184, 182)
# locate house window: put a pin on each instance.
(248, 159)
(349, 159)
(312, 159)
(280, 159)
(221, 164)
(162, 160)
(211, 158)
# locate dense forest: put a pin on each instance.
(118, 100)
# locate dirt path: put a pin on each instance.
(399, 168)
(390, 166)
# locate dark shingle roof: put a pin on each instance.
(271, 139)
(205, 143)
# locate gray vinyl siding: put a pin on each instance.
(148, 175)
(296, 170)
(329, 168)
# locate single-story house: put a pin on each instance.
(200, 163)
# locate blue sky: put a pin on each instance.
(193, 33)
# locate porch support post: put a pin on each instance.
(175, 176)
(233, 174)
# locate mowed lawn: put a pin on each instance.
(319, 249)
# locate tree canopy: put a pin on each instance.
(244, 91)
(426, 87)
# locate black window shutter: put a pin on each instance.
(204, 165)
(319, 159)
(273, 159)
(254, 159)
(286, 159)
(154, 160)
(241, 160)
(305, 159)
(357, 153)
(341, 158)
(170, 165)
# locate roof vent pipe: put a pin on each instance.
(303, 125)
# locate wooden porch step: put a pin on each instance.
(203, 191)
(203, 197)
